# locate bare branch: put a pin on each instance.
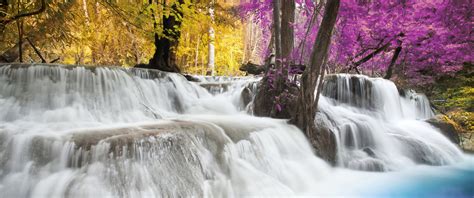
(41, 9)
(36, 50)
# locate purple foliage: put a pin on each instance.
(436, 35)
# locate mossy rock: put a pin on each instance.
(448, 127)
(463, 119)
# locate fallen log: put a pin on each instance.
(252, 68)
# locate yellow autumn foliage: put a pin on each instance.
(193, 51)
(92, 32)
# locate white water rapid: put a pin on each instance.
(114, 132)
(379, 130)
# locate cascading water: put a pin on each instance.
(379, 130)
(115, 132)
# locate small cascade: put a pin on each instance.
(240, 90)
(421, 103)
(379, 130)
(50, 93)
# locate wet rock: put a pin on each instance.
(124, 136)
(160, 66)
(246, 96)
(164, 149)
(367, 164)
(134, 141)
(352, 90)
(325, 143)
(264, 102)
(216, 88)
(3, 149)
(446, 126)
(419, 151)
(191, 78)
(369, 151)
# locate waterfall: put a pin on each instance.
(377, 128)
(116, 132)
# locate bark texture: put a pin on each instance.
(277, 31)
(322, 140)
(287, 29)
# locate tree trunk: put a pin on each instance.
(247, 41)
(287, 29)
(20, 40)
(211, 53)
(396, 54)
(314, 18)
(277, 32)
(270, 88)
(86, 12)
(322, 141)
(164, 57)
(196, 57)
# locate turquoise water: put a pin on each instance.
(429, 181)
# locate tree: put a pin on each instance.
(167, 40)
(212, 37)
(299, 104)
(313, 76)
(287, 28)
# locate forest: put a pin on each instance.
(232, 98)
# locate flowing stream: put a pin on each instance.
(113, 132)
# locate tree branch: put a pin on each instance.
(41, 9)
(36, 50)
(371, 55)
(374, 53)
(388, 75)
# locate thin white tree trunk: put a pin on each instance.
(256, 35)
(197, 52)
(86, 12)
(211, 57)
